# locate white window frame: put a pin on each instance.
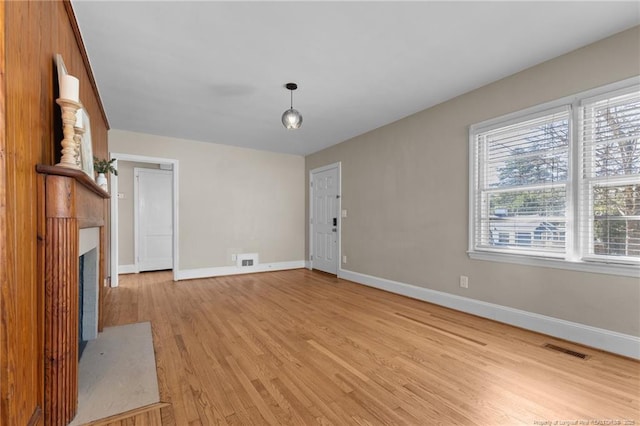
(576, 256)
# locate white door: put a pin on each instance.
(324, 220)
(153, 193)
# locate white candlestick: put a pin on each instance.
(79, 123)
(70, 88)
(69, 156)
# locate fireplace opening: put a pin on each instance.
(81, 342)
(88, 288)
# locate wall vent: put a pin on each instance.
(246, 260)
(566, 351)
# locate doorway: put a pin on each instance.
(120, 196)
(324, 221)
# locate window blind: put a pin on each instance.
(521, 195)
(609, 193)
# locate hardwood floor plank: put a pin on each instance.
(144, 416)
(301, 348)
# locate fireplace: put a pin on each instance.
(71, 223)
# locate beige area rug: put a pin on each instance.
(117, 373)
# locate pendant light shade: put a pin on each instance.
(291, 118)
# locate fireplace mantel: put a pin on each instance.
(71, 193)
(68, 201)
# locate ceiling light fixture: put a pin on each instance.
(291, 117)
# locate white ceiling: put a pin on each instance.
(215, 71)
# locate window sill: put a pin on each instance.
(581, 266)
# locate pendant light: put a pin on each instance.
(291, 119)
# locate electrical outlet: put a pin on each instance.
(344, 259)
(344, 213)
(234, 257)
(464, 281)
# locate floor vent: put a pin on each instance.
(247, 259)
(566, 351)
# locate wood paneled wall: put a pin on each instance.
(31, 33)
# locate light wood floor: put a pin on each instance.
(302, 348)
(145, 416)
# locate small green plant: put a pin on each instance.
(104, 166)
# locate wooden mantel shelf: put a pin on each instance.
(78, 175)
(69, 200)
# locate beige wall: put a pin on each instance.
(125, 209)
(231, 200)
(405, 188)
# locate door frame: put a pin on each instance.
(338, 166)
(114, 209)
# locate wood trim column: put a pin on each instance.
(61, 326)
(61, 301)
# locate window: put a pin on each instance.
(561, 183)
(610, 187)
(521, 185)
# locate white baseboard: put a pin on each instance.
(307, 264)
(188, 274)
(610, 341)
(127, 269)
